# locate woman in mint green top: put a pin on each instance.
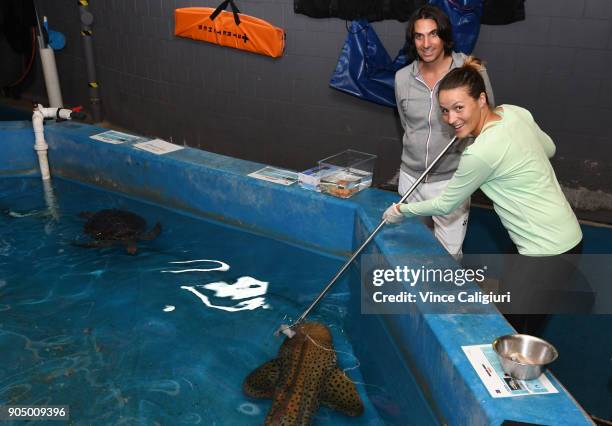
(509, 162)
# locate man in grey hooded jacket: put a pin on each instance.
(425, 133)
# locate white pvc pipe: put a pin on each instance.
(40, 146)
(43, 162)
(54, 92)
(50, 199)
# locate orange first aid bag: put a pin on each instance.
(231, 29)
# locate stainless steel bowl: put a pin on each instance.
(522, 356)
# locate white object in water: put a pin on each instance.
(169, 308)
(222, 266)
(50, 199)
(249, 409)
(286, 330)
(244, 288)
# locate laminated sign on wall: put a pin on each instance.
(231, 29)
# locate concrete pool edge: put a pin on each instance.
(432, 343)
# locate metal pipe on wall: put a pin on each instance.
(87, 19)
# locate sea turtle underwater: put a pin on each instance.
(113, 226)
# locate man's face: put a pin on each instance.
(429, 46)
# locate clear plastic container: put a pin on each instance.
(350, 172)
(311, 179)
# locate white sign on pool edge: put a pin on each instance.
(499, 384)
(115, 138)
(157, 146)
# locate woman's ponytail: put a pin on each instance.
(468, 76)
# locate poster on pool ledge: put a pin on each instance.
(157, 146)
(115, 138)
(275, 175)
(499, 384)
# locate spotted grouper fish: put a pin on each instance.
(303, 376)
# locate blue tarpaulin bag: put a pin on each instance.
(364, 67)
(465, 19)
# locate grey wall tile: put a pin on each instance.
(592, 63)
(605, 93)
(598, 9)
(273, 13)
(566, 89)
(167, 8)
(544, 59)
(293, 22)
(497, 58)
(565, 8)
(549, 116)
(313, 93)
(587, 121)
(141, 7)
(278, 88)
(532, 31)
(587, 33)
(392, 44)
(155, 8)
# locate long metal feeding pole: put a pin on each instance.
(365, 243)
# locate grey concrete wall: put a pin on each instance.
(282, 112)
(557, 64)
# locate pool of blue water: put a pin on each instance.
(138, 339)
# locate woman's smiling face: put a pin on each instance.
(462, 111)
